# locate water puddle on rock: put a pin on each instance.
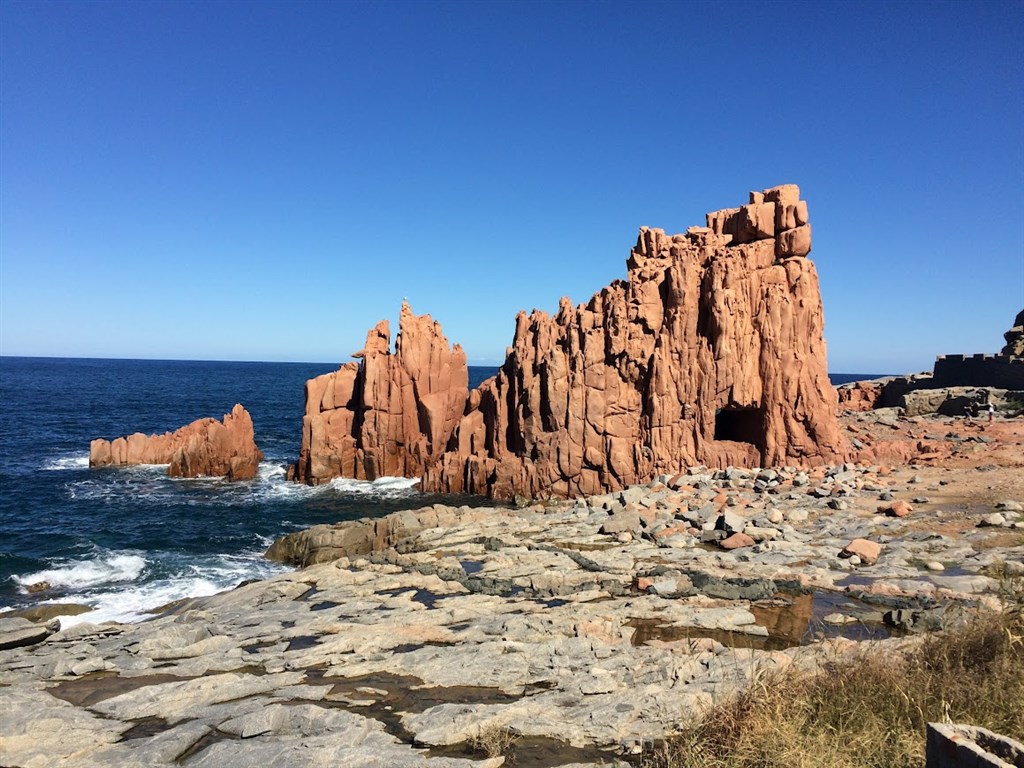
(536, 752)
(790, 620)
(323, 606)
(423, 596)
(386, 697)
(146, 727)
(648, 629)
(92, 689)
(588, 546)
(302, 642)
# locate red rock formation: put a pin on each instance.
(710, 352)
(206, 447)
(860, 395)
(392, 415)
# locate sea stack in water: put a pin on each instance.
(710, 352)
(206, 447)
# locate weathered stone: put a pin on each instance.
(623, 520)
(711, 353)
(323, 543)
(1015, 337)
(736, 541)
(392, 414)
(206, 447)
(19, 632)
(867, 551)
(898, 508)
(955, 745)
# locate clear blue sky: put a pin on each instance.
(265, 181)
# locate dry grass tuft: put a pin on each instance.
(494, 741)
(869, 711)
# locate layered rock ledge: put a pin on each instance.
(710, 352)
(587, 628)
(206, 447)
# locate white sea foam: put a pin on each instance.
(269, 472)
(382, 486)
(275, 485)
(198, 578)
(76, 461)
(83, 574)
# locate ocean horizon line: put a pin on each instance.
(495, 366)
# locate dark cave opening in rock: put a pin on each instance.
(741, 425)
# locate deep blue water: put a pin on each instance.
(846, 378)
(127, 539)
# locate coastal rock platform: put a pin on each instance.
(583, 630)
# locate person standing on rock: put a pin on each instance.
(991, 409)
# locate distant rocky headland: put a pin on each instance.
(958, 384)
(710, 352)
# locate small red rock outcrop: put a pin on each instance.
(710, 352)
(860, 395)
(206, 447)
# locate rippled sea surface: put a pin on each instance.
(131, 539)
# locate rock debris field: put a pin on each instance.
(587, 629)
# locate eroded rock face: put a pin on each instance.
(390, 415)
(1015, 337)
(206, 447)
(710, 352)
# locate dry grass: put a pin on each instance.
(494, 741)
(870, 711)
(999, 540)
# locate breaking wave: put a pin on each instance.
(82, 574)
(128, 587)
(76, 461)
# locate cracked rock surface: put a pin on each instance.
(587, 628)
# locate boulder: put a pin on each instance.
(897, 508)
(710, 352)
(206, 447)
(324, 543)
(867, 551)
(736, 541)
(860, 395)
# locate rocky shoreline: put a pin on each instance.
(589, 629)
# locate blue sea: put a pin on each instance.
(127, 540)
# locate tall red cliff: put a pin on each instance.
(391, 414)
(710, 352)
